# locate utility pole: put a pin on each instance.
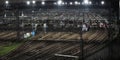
(81, 45)
(109, 31)
(17, 24)
(81, 40)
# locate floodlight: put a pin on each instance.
(43, 3)
(28, 2)
(6, 2)
(76, 2)
(86, 2)
(59, 2)
(33, 2)
(102, 2)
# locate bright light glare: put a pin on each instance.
(86, 2)
(43, 3)
(28, 2)
(76, 2)
(33, 2)
(102, 2)
(59, 2)
(6, 2)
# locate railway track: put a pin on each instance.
(47, 50)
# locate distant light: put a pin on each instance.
(71, 3)
(86, 2)
(22, 14)
(28, 2)
(33, 2)
(33, 11)
(5, 15)
(6, 2)
(59, 2)
(76, 3)
(43, 3)
(90, 2)
(102, 2)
